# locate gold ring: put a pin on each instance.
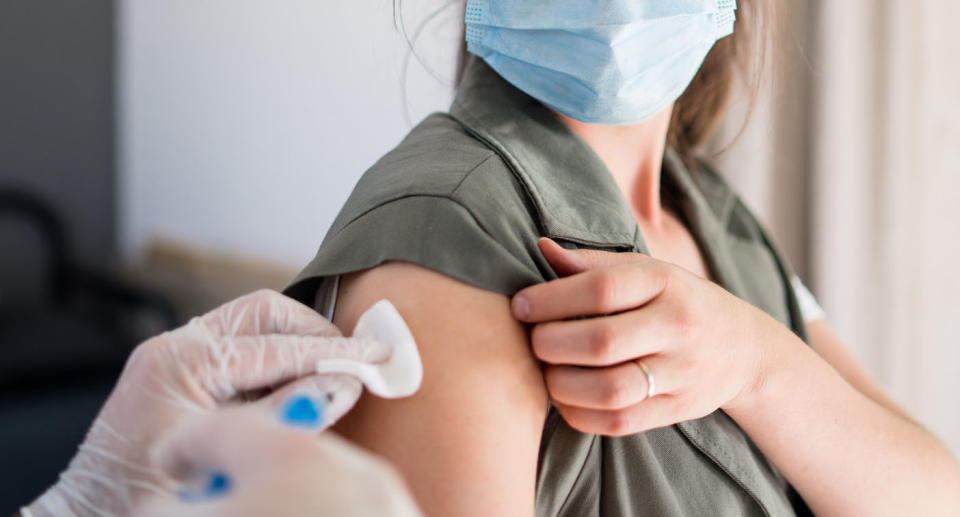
(651, 386)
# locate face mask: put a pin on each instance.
(609, 62)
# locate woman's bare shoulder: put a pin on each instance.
(473, 430)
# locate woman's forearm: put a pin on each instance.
(845, 453)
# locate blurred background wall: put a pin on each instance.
(255, 119)
(193, 150)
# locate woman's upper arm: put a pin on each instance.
(467, 442)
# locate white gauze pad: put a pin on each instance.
(402, 374)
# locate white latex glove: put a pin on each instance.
(242, 462)
(246, 347)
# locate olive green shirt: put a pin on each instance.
(468, 193)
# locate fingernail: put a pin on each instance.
(302, 412)
(521, 307)
(555, 243)
(216, 484)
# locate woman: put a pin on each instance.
(642, 387)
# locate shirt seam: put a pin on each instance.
(466, 209)
(469, 173)
(399, 197)
(530, 188)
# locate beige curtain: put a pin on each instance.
(853, 160)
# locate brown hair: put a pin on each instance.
(701, 108)
(698, 112)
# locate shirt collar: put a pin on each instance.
(572, 190)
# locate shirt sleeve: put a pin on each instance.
(809, 306)
(434, 232)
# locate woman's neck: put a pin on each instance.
(634, 155)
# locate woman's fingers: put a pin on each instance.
(570, 262)
(563, 261)
(613, 388)
(629, 284)
(659, 411)
(601, 341)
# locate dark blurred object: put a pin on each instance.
(59, 353)
(65, 332)
(57, 116)
(74, 320)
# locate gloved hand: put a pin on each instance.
(243, 462)
(245, 347)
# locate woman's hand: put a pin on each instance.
(704, 348)
(845, 453)
(259, 342)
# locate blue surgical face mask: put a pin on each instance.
(609, 62)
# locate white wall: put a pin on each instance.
(244, 124)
